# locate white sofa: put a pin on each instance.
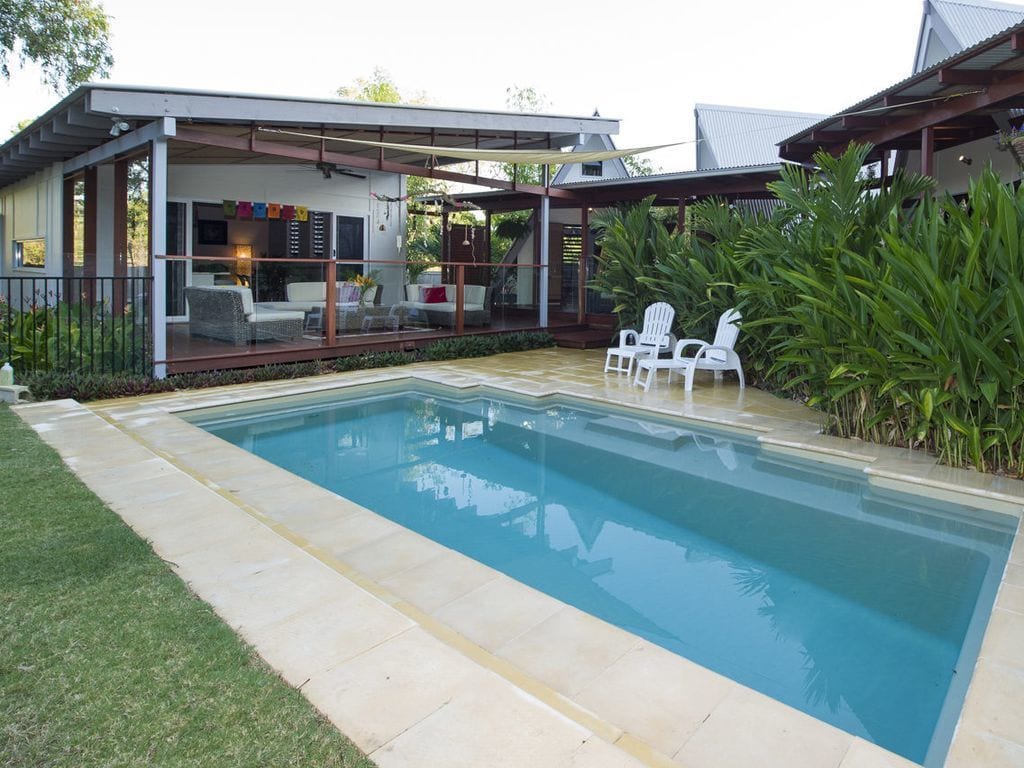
(307, 296)
(476, 308)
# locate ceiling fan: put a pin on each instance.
(329, 169)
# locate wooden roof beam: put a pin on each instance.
(970, 76)
(278, 149)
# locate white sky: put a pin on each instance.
(646, 62)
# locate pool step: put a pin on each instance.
(590, 338)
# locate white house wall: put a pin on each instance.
(31, 209)
(304, 185)
(953, 176)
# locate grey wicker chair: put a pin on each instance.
(219, 313)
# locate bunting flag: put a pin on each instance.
(273, 210)
(301, 213)
(259, 210)
(244, 209)
(229, 209)
(287, 212)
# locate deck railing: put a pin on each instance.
(79, 324)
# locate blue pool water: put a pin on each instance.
(859, 606)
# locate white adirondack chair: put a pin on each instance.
(718, 356)
(653, 338)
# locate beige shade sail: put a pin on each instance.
(518, 156)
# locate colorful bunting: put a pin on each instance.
(229, 209)
(259, 210)
(273, 210)
(287, 212)
(301, 213)
(244, 209)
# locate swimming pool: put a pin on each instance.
(860, 606)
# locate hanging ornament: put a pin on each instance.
(465, 236)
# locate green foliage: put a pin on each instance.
(72, 337)
(108, 658)
(379, 88)
(632, 241)
(525, 99)
(900, 319)
(640, 167)
(68, 39)
(53, 385)
(57, 385)
(483, 346)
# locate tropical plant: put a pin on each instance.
(73, 337)
(631, 243)
(68, 39)
(900, 317)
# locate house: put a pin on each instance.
(944, 119)
(735, 137)
(157, 191)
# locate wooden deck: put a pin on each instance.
(187, 353)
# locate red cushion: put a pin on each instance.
(434, 295)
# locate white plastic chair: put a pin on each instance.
(652, 339)
(718, 356)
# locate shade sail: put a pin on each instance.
(519, 156)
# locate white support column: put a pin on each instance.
(158, 240)
(545, 229)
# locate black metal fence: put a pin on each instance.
(81, 324)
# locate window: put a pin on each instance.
(592, 169)
(30, 253)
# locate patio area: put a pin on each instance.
(425, 657)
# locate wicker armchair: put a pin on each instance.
(228, 314)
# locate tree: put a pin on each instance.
(68, 39)
(638, 167)
(525, 99)
(379, 88)
(424, 233)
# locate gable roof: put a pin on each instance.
(734, 137)
(614, 169)
(950, 26)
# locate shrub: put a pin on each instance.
(57, 385)
(51, 385)
(73, 337)
(901, 320)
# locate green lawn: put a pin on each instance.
(107, 659)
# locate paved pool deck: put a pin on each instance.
(425, 657)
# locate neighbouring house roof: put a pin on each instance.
(611, 169)
(667, 188)
(83, 121)
(733, 137)
(961, 97)
(950, 26)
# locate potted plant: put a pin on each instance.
(1013, 142)
(364, 283)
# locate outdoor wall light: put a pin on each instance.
(965, 159)
(119, 127)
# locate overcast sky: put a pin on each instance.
(645, 62)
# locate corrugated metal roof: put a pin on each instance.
(734, 137)
(994, 51)
(972, 22)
